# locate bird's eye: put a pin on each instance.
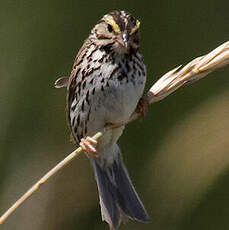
(109, 28)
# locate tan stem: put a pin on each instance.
(51, 173)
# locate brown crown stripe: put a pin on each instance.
(124, 20)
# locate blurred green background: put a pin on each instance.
(178, 157)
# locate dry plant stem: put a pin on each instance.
(193, 71)
(51, 173)
(171, 81)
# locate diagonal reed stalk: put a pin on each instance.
(168, 83)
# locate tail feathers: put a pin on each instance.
(129, 201)
(107, 195)
(118, 198)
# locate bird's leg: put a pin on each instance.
(88, 144)
(142, 107)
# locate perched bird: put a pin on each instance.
(104, 88)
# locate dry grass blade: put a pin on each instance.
(171, 81)
(193, 71)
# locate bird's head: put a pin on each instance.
(119, 31)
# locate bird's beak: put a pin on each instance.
(125, 39)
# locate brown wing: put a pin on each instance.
(72, 83)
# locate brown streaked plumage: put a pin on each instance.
(105, 85)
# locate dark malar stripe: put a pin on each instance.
(107, 48)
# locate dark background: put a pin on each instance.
(178, 157)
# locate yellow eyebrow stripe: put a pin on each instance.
(135, 28)
(110, 20)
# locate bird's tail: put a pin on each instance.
(118, 198)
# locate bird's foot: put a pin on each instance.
(142, 107)
(88, 144)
